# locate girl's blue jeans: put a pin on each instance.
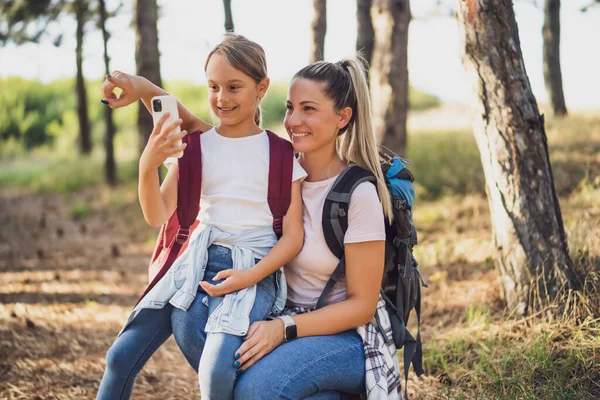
(211, 355)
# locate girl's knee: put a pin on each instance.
(119, 358)
(218, 379)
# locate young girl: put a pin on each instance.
(234, 242)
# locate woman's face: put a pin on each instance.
(311, 120)
(233, 95)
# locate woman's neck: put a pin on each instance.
(239, 130)
(321, 165)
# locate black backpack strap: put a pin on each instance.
(335, 219)
(335, 277)
(335, 209)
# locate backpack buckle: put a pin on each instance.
(399, 203)
(182, 235)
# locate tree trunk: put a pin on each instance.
(85, 137)
(147, 59)
(319, 28)
(365, 35)
(228, 16)
(531, 249)
(552, 71)
(110, 169)
(389, 72)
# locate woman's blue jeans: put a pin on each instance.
(315, 367)
(211, 355)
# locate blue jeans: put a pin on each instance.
(211, 355)
(315, 367)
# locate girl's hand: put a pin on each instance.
(132, 87)
(235, 279)
(161, 144)
(262, 338)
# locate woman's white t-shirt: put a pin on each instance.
(235, 180)
(308, 273)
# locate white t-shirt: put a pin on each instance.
(308, 272)
(235, 180)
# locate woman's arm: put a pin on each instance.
(139, 88)
(284, 250)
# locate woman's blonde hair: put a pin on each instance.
(346, 84)
(244, 55)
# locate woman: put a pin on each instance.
(320, 354)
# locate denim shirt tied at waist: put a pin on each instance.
(180, 284)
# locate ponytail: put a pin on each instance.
(359, 144)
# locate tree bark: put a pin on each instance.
(319, 29)
(532, 255)
(110, 169)
(365, 35)
(552, 70)
(228, 16)
(389, 72)
(147, 59)
(85, 137)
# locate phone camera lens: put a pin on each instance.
(157, 105)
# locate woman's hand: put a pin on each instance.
(262, 338)
(235, 279)
(131, 86)
(161, 144)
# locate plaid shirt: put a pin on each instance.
(383, 371)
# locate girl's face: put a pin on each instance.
(311, 120)
(233, 95)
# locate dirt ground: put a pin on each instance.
(66, 287)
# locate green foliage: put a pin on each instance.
(445, 163)
(509, 363)
(80, 210)
(418, 100)
(27, 108)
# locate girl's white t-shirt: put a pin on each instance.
(235, 180)
(308, 272)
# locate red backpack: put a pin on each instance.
(174, 234)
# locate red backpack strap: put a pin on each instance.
(281, 165)
(176, 231)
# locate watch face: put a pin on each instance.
(290, 332)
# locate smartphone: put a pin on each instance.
(164, 104)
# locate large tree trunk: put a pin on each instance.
(389, 72)
(365, 35)
(531, 249)
(228, 16)
(319, 29)
(110, 169)
(147, 59)
(85, 137)
(552, 71)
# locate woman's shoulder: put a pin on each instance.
(365, 195)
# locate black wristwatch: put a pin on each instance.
(289, 331)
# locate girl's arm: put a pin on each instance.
(284, 250)
(364, 271)
(139, 88)
(159, 202)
